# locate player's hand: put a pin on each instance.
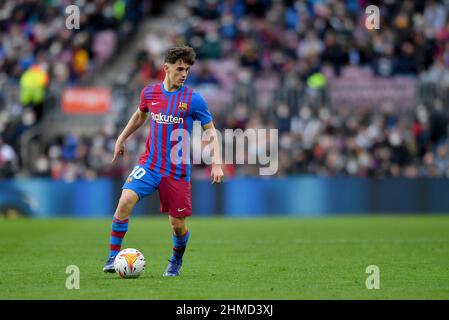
(216, 174)
(118, 150)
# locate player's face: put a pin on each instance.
(177, 72)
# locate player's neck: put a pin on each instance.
(169, 87)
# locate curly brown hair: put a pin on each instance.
(185, 53)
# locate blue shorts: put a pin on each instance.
(142, 181)
(174, 195)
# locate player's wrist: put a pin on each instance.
(120, 140)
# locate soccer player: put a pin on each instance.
(164, 165)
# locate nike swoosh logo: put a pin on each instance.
(153, 103)
(180, 210)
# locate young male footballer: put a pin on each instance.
(164, 165)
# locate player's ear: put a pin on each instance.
(166, 67)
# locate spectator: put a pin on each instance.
(8, 160)
(33, 84)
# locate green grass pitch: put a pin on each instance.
(263, 258)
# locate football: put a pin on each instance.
(129, 263)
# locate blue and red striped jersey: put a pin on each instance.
(170, 111)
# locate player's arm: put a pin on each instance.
(217, 171)
(134, 123)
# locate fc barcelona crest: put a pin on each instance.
(182, 106)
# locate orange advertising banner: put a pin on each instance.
(85, 100)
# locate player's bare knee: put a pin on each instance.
(125, 206)
(177, 229)
(178, 225)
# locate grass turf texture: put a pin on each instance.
(265, 258)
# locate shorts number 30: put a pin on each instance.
(137, 172)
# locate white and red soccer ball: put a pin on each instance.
(129, 263)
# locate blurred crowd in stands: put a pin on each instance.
(40, 55)
(249, 52)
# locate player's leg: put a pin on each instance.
(119, 225)
(175, 199)
(139, 184)
(180, 237)
(178, 225)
